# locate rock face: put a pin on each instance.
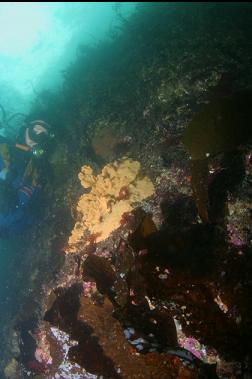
(112, 193)
(110, 139)
(134, 275)
(11, 370)
(100, 344)
(128, 362)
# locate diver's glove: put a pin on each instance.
(4, 174)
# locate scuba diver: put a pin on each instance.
(20, 175)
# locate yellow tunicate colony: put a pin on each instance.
(100, 211)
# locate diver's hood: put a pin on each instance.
(38, 132)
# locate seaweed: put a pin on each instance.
(221, 127)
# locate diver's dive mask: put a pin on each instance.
(38, 135)
(38, 132)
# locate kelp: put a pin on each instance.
(222, 126)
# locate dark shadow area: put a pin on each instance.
(88, 353)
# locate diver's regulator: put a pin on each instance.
(38, 152)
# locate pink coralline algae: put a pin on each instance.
(42, 356)
(89, 288)
(193, 346)
(234, 237)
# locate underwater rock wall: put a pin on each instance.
(159, 280)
